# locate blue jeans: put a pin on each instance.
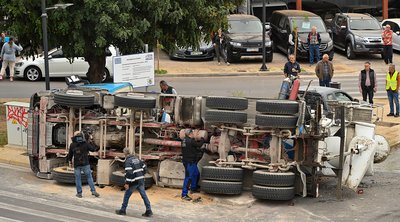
(78, 181)
(314, 51)
(140, 187)
(324, 82)
(393, 96)
(191, 175)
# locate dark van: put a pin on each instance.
(283, 23)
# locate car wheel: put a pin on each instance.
(273, 179)
(106, 75)
(66, 175)
(276, 121)
(225, 116)
(382, 55)
(74, 100)
(273, 193)
(280, 107)
(349, 51)
(269, 57)
(228, 103)
(221, 187)
(127, 101)
(222, 173)
(32, 73)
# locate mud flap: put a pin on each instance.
(357, 163)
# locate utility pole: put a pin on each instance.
(263, 66)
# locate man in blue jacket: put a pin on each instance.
(134, 180)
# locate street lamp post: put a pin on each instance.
(45, 45)
(45, 42)
(263, 66)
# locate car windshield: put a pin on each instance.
(305, 24)
(364, 24)
(245, 26)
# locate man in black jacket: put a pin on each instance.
(367, 83)
(190, 156)
(79, 152)
(134, 180)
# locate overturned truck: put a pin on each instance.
(276, 148)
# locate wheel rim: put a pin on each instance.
(105, 75)
(32, 74)
(348, 51)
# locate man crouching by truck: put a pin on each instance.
(134, 180)
(79, 151)
(190, 156)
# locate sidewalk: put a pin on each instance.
(251, 66)
(14, 156)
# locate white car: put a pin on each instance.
(395, 25)
(59, 66)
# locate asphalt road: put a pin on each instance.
(248, 86)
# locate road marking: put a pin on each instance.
(6, 219)
(69, 206)
(39, 213)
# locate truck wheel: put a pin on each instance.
(226, 103)
(274, 121)
(221, 187)
(125, 100)
(382, 149)
(349, 52)
(222, 174)
(224, 116)
(281, 107)
(64, 175)
(118, 179)
(273, 193)
(76, 99)
(265, 178)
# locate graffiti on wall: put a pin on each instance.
(18, 115)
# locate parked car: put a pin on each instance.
(395, 25)
(270, 7)
(357, 33)
(325, 10)
(32, 69)
(205, 52)
(283, 23)
(244, 38)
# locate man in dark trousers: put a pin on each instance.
(190, 155)
(292, 68)
(314, 40)
(134, 180)
(79, 152)
(367, 83)
(324, 71)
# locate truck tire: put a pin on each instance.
(73, 100)
(273, 193)
(127, 101)
(349, 51)
(224, 116)
(221, 187)
(222, 174)
(276, 121)
(63, 175)
(265, 178)
(280, 107)
(226, 103)
(118, 179)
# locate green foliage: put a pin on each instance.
(160, 71)
(89, 26)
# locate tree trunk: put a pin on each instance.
(96, 70)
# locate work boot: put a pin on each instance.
(390, 114)
(79, 195)
(186, 198)
(94, 193)
(148, 213)
(120, 212)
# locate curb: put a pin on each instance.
(15, 163)
(242, 74)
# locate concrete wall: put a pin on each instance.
(341, 2)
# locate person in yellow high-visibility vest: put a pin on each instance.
(392, 89)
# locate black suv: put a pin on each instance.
(283, 23)
(324, 9)
(244, 38)
(357, 33)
